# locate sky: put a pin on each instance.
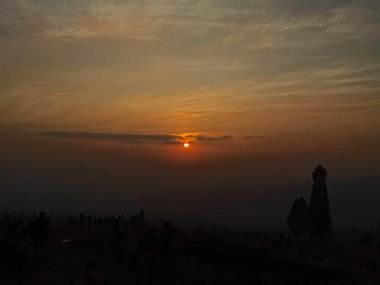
(263, 90)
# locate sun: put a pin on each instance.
(186, 145)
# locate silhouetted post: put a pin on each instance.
(319, 208)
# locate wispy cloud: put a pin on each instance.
(239, 67)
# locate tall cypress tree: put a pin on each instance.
(319, 208)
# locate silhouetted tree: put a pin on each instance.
(298, 219)
(319, 208)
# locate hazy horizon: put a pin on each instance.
(207, 184)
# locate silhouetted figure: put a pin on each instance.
(122, 222)
(126, 228)
(378, 235)
(132, 242)
(5, 240)
(116, 228)
(166, 240)
(5, 228)
(143, 230)
(89, 223)
(288, 241)
(366, 239)
(142, 218)
(319, 208)
(199, 233)
(23, 250)
(69, 222)
(90, 269)
(39, 232)
(265, 240)
(280, 242)
(82, 219)
(154, 246)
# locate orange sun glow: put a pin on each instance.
(186, 145)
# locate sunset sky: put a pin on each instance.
(260, 85)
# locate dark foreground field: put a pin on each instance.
(209, 258)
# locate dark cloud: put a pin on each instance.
(164, 138)
(118, 137)
(208, 138)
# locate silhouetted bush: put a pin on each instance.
(298, 219)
